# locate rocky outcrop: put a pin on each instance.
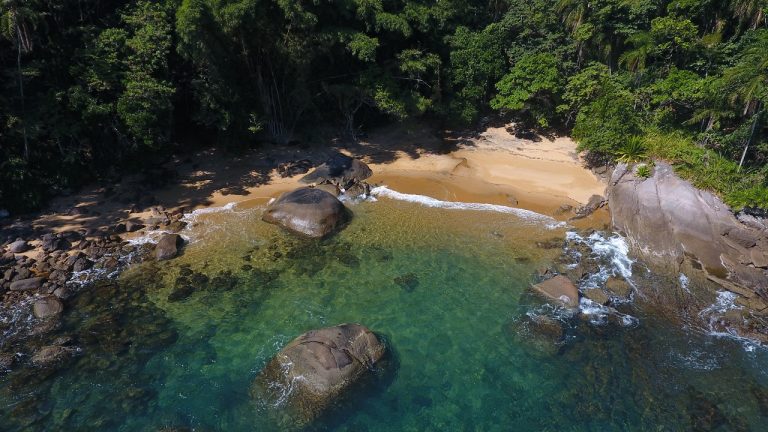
(340, 170)
(316, 368)
(669, 220)
(307, 211)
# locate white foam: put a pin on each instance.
(684, 282)
(613, 250)
(384, 191)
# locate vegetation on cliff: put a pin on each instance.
(91, 88)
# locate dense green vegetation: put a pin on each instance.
(92, 87)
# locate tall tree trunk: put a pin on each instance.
(21, 93)
(749, 140)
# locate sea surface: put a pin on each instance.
(446, 286)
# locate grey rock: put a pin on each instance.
(669, 221)
(27, 284)
(19, 246)
(47, 307)
(53, 355)
(308, 211)
(560, 289)
(168, 246)
(328, 361)
(341, 170)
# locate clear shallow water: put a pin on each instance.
(461, 356)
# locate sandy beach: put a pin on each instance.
(490, 167)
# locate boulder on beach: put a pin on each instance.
(314, 369)
(27, 284)
(340, 170)
(560, 289)
(19, 246)
(168, 246)
(307, 211)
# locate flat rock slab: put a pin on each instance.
(561, 290)
(19, 246)
(307, 211)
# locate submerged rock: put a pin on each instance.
(618, 287)
(307, 211)
(52, 355)
(408, 281)
(561, 290)
(597, 295)
(313, 370)
(47, 307)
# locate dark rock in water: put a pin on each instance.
(224, 281)
(168, 246)
(358, 190)
(561, 290)
(176, 226)
(328, 361)
(6, 361)
(52, 355)
(185, 271)
(330, 188)
(308, 211)
(180, 293)
(597, 295)
(554, 243)
(199, 280)
(19, 246)
(618, 287)
(47, 307)
(341, 170)
(408, 281)
(27, 284)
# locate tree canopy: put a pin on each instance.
(91, 88)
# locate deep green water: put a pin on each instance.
(460, 356)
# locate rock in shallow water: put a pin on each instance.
(168, 246)
(311, 212)
(561, 290)
(306, 376)
(47, 307)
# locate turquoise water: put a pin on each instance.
(461, 355)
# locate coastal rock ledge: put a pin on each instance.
(314, 369)
(669, 221)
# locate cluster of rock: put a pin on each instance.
(41, 273)
(672, 223)
(314, 370)
(315, 211)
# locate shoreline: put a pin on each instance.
(493, 167)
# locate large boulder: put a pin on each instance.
(341, 170)
(314, 369)
(307, 211)
(669, 221)
(561, 290)
(168, 246)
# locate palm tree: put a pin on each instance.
(750, 12)
(635, 58)
(748, 79)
